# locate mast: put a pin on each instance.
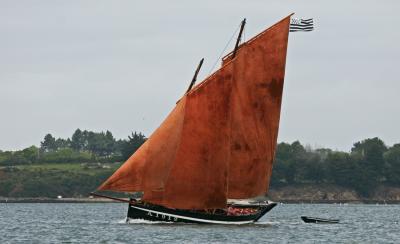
(195, 75)
(239, 38)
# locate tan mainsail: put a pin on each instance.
(219, 141)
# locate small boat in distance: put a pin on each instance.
(319, 220)
(216, 148)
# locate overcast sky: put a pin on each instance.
(121, 65)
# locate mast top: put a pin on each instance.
(195, 75)
(239, 38)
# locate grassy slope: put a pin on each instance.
(50, 180)
(70, 167)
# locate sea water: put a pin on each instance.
(105, 223)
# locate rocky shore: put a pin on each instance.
(332, 194)
(55, 200)
(288, 194)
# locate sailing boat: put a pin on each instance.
(217, 146)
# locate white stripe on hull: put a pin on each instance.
(196, 219)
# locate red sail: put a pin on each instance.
(259, 70)
(148, 167)
(219, 141)
(197, 179)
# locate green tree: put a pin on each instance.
(313, 168)
(289, 160)
(48, 144)
(31, 154)
(371, 151)
(5, 157)
(101, 144)
(109, 142)
(78, 140)
(340, 169)
(128, 147)
(62, 143)
(392, 157)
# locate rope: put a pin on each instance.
(223, 51)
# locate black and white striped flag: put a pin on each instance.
(301, 25)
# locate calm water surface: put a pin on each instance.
(104, 223)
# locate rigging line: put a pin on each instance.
(223, 51)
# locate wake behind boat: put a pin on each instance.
(218, 143)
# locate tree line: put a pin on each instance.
(370, 163)
(83, 146)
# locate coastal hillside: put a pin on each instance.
(52, 180)
(76, 166)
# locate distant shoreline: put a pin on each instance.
(307, 193)
(99, 200)
(325, 193)
(340, 202)
(56, 200)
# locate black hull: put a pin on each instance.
(159, 213)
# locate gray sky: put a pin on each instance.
(121, 65)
